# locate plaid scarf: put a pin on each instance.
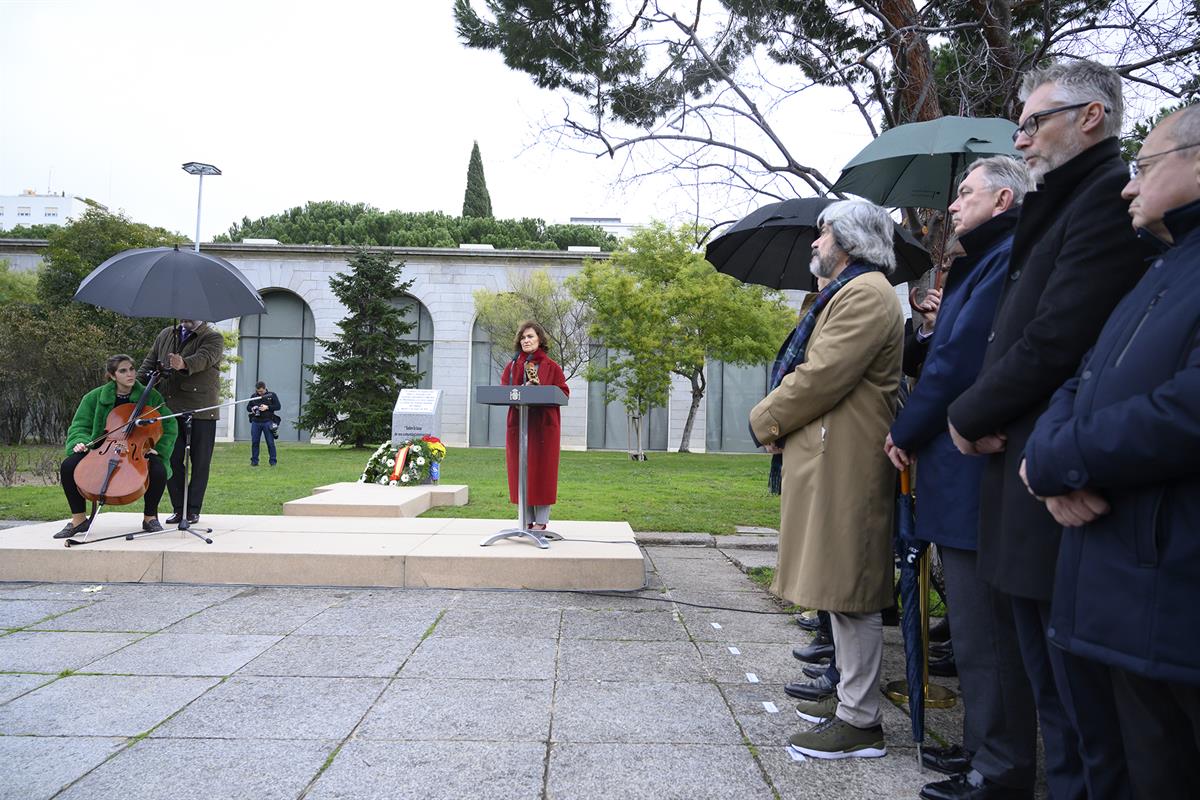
(791, 354)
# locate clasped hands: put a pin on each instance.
(1073, 509)
(176, 361)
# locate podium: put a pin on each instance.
(522, 397)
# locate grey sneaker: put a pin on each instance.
(817, 710)
(834, 738)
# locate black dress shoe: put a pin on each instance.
(811, 623)
(814, 652)
(175, 518)
(943, 667)
(70, 530)
(940, 630)
(151, 525)
(972, 786)
(816, 689)
(193, 518)
(814, 670)
(947, 760)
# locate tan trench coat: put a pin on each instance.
(838, 496)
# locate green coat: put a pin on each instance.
(92, 413)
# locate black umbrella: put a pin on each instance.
(771, 247)
(169, 282)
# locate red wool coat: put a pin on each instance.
(541, 487)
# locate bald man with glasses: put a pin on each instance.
(1073, 258)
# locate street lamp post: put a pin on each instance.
(196, 168)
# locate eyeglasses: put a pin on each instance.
(1136, 168)
(1030, 126)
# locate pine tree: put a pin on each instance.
(476, 202)
(354, 388)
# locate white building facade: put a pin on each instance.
(30, 208)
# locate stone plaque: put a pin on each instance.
(418, 412)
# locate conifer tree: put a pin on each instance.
(354, 389)
(476, 202)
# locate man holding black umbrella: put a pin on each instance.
(189, 355)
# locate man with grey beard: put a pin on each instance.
(1073, 258)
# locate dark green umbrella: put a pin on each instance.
(918, 165)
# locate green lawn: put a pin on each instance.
(670, 492)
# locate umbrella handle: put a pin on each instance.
(905, 481)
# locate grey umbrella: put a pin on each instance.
(918, 165)
(169, 282)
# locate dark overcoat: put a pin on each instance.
(198, 384)
(1074, 257)
(947, 481)
(1128, 425)
(541, 468)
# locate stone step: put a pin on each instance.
(373, 500)
(331, 551)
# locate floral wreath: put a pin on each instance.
(408, 463)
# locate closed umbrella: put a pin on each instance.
(918, 165)
(771, 247)
(169, 282)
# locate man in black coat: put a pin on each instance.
(1117, 458)
(1073, 258)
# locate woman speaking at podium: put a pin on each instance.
(532, 365)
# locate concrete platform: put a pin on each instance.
(372, 500)
(330, 551)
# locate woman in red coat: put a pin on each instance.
(532, 365)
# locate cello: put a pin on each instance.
(115, 472)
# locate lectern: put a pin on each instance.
(522, 397)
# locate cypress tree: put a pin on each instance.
(354, 390)
(476, 202)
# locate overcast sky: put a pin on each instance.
(356, 100)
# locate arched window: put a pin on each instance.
(487, 422)
(277, 349)
(417, 315)
(732, 391)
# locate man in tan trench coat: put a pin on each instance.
(829, 409)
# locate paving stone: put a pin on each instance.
(654, 772)
(663, 539)
(100, 705)
(690, 601)
(280, 708)
(654, 626)
(354, 621)
(583, 659)
(13, 686)
(37, 767)
(755, 530)
(729, 579)
(474, 710)
(334, 656)
(746, 560)
(31, 651)
(503, 623)
(762, 727)
(770, 663)
(736, 628)
(265, 611)
(13, 586)
(184, 654)
(612, 711)
(125, 615)
(893, 777)
(22, 613)
(556, 600)
(52, 591)
(403, 598)
(482, 657)
(205, 769)
(371, 770)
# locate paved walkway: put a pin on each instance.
(153, 691)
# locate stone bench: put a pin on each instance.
(372, 500)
